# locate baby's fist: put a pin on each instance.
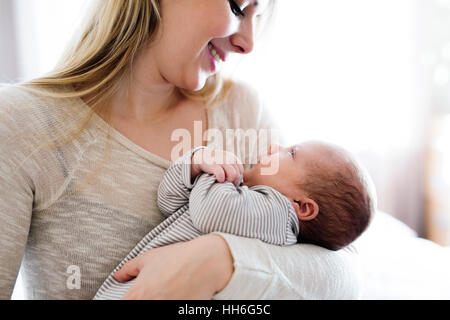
(224, 165)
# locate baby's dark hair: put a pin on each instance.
(345, 196)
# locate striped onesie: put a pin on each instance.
(206, 206)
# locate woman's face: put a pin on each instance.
(197, 36)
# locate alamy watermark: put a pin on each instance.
(73, 281)
(256, 140)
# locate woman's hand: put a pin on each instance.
(197, 269)
(226, 166)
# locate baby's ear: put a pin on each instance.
(306, 209)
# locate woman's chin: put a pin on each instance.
(196, 83)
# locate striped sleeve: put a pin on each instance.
(259, 212)
(175, 187)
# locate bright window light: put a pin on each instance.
(44, 28)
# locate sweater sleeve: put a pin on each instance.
(175, 187)
(259, 212)
(301, 271)
(16, 204)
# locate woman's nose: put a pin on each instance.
(243, 40)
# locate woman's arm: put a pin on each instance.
(222, 266)
(302, 271)
(196, 269)
(16, 202)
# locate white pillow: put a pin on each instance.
(396, 264)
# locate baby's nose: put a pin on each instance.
(274, 148)
(264, 159)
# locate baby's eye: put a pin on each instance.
(292, 152)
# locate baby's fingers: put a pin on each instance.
(230, 172)
(241, 167)
(219, 172)
(238, 174)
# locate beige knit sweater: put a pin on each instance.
(67, 243)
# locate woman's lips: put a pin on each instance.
(219, 52)
(216, 56)
(212, 60)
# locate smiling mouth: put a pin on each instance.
(214, 53)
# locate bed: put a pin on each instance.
(396, 264)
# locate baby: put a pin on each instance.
(318, 188)
(332, 196)
(314, 193)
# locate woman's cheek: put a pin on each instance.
(222, 26)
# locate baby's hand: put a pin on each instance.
(224, 165)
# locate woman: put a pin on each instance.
(74, 199)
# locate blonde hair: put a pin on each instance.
(102, 53)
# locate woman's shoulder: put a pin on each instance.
(244, 104)
(17, 109)
(28, 111)
(29, 119)
(24, 99)
(242, 93)
(18, 104)
(15, 96)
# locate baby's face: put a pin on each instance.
(284, 167)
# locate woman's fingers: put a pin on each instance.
(129, 271)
